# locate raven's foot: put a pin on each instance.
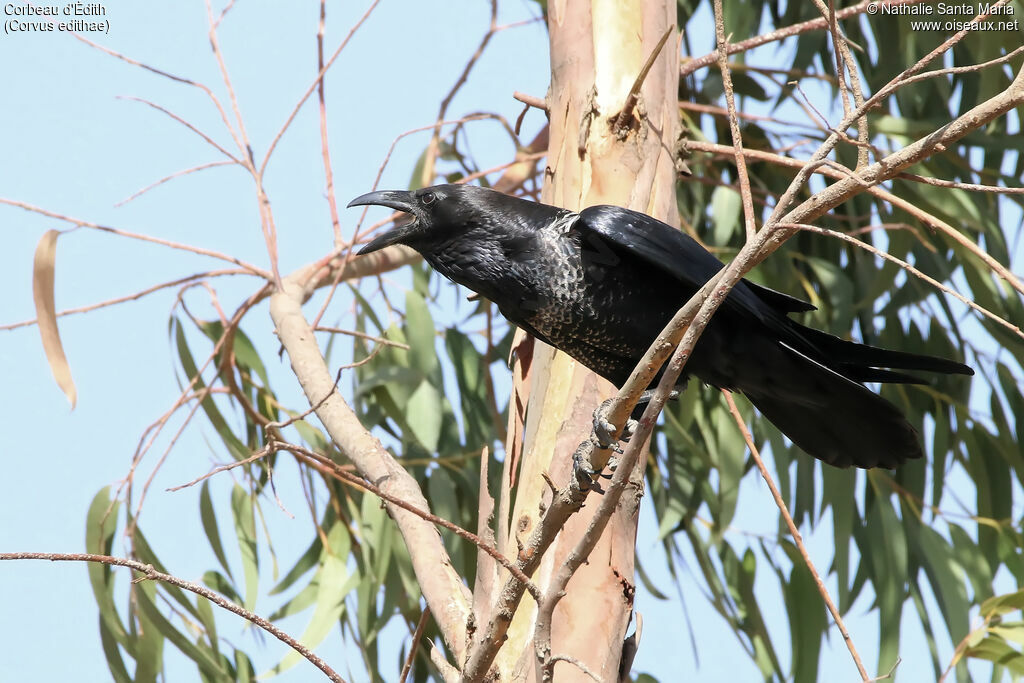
(604, 430)
(581, 469)
(586, 476)
(604, 437)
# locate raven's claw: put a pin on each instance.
(581, 468)
(604, 430)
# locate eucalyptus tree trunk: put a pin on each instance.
(598, 50)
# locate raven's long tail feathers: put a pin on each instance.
(860, 362)
(833, 417)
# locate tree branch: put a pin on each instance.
(795, 533)
(148, 572)
(446, 595)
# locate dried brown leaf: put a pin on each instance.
(46, 313)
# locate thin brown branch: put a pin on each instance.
(788, 73)
(885, 169)
(576, 663)
(883, 194)
(165, 74)
(309, 91)
(277, 426)
(337, 471)
(156, 428)
(149, 573)
(846, 64)
(421, 626)
(435, 139)
(210, 141)
(528, 101)
(136, 236)
(956, 185)
(325, 150)
(970, 68)
(621, 126)
(555, 591)
(722, 111)
(520, 159)
(531, 101)
(442, 587)
(178, 174)
(223, 13)
(266, 213)
(261, 453)
(795, 533)
(749, 220)
(907, 267)
(689, 66)
(245, 147)
(202, 395)
(132, 297)
(362, 335)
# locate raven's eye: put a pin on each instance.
(428, 198)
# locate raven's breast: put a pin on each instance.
(603, 313)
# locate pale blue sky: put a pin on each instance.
(70, 145)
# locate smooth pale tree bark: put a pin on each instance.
(598, 49)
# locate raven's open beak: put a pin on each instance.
(400, 200)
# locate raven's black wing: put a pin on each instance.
(805, 381)
(679, 255)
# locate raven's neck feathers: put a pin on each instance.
(496, 245)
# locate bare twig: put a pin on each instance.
(132, 297)
(970, 68)
(362, 335)
(337, 471)
(314, 84)
(154, 430)
(421, 626)
(261, 453)
(749, 223)
(243, 138)
(178, 174)
(907, 267)
(136, 236)
(325, 150)
(689, 66)
(149, 573)
(531, 101)
(722, 111)
(955, 185)
(443, 588)
(795, 533)
(578, 664)
(621, 126)
(435, 138)
(846, 64)
(883, 194)
(165, 74)
(210, 141)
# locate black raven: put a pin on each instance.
(602, 283)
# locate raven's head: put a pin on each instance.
(436, 212)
